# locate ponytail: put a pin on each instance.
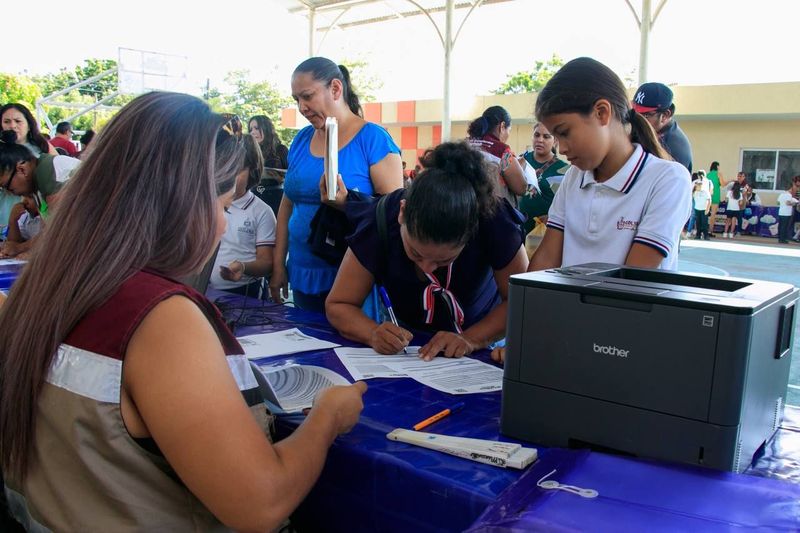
(324, 70)
(488, 121)
(447, 200)
(579, 84)
(350, 96)
(642, 132)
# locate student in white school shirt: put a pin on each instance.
(787, 201)
(245, 251)
(623, 201)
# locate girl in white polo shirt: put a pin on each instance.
(245, 251)
(624, 200)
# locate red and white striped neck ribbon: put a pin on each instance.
(429, 300)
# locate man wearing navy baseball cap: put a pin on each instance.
(654, 102)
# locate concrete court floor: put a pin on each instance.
(757, 258)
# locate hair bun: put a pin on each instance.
(8, 136)
(455, 158)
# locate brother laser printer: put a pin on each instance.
(687, 368)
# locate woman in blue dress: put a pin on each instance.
(369, 162)
(451, 244)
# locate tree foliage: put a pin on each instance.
(88, 94)
(53, 82)
(248, 98)
(242, 96)
(18, 89)
(528, 81)
(364, 83)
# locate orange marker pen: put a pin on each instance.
(438, 416)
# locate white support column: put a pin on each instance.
(448, 48)
(645, 26)
(312, 29)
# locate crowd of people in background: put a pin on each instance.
(202, 188)
(739, 198)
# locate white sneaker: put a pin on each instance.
(725, 235)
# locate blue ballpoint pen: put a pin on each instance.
(388, 304)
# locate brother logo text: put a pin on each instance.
(610, 350)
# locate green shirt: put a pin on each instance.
(536, 206)
(52, 172)
(45, 176)
(714, 179)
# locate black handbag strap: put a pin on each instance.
(383, 231)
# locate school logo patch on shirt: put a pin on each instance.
(247, 228)
(623, 224)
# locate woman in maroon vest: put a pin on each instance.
(122, 390)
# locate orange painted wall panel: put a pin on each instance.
(407, 111)
(408, 137)
(372, 112)
(288, 117)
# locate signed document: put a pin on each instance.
(450, 375)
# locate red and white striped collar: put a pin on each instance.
(625, 178)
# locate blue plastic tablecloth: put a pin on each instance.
(640, 495)
(9, 274)
(370, 483)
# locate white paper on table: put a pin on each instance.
(4, 262)
(453, 376)
(281, 343)
(293, 388)
(366, 363)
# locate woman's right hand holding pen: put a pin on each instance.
(389, 339)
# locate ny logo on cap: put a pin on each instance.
(639, 98)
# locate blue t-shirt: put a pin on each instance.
(307, 272)
(491, 248)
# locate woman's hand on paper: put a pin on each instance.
(341, 192)
(389, 339)
(448, 344)
(343, 403)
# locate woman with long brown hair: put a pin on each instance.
(263, 132)
(17, 118)
(125, 401)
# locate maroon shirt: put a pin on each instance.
(60, 142)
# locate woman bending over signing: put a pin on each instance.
(451, 246)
